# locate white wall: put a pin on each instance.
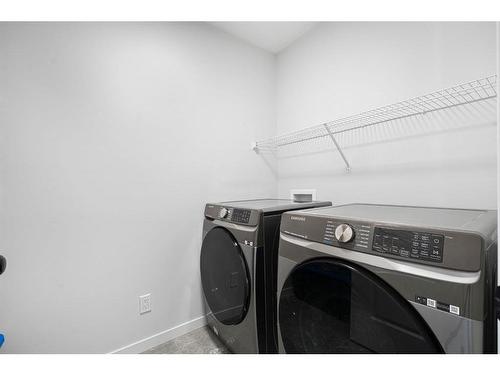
(340, 69)
(112, 138)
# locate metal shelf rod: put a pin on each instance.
(348, 167)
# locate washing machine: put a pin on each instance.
(387, 279)
(238, 265)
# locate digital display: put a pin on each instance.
(241, 216)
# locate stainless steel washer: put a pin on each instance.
(387, 279)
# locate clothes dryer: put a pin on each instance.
(238, 267)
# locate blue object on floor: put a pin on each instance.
(2, 339)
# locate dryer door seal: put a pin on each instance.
(224, 276)
(328, 305)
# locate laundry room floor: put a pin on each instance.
(199, 341)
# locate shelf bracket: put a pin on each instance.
(348, 167)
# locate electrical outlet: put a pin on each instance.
(145, 303)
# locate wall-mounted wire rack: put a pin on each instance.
(459, 95)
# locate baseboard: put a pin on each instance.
(161, 337)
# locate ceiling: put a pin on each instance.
(271, 36)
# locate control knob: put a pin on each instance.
(223, 213)
(344, 233)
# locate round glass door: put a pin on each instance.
(224, 276)
(332, 306)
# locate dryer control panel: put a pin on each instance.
(239, 215)
(232, 214)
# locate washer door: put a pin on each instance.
(224, 276)
(333, 306)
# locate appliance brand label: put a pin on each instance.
(298, 218)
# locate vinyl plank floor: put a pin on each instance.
(199, 341)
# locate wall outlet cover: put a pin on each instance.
(145, 303)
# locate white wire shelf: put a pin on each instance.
(459, 95)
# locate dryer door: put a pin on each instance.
(224, 276)
(334, 306)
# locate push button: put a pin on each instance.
(414, 253)
(424, 253)
(436, 251)
(385, 243)
(436, 240)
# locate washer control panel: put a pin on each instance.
(409, 244)
(432, 246)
